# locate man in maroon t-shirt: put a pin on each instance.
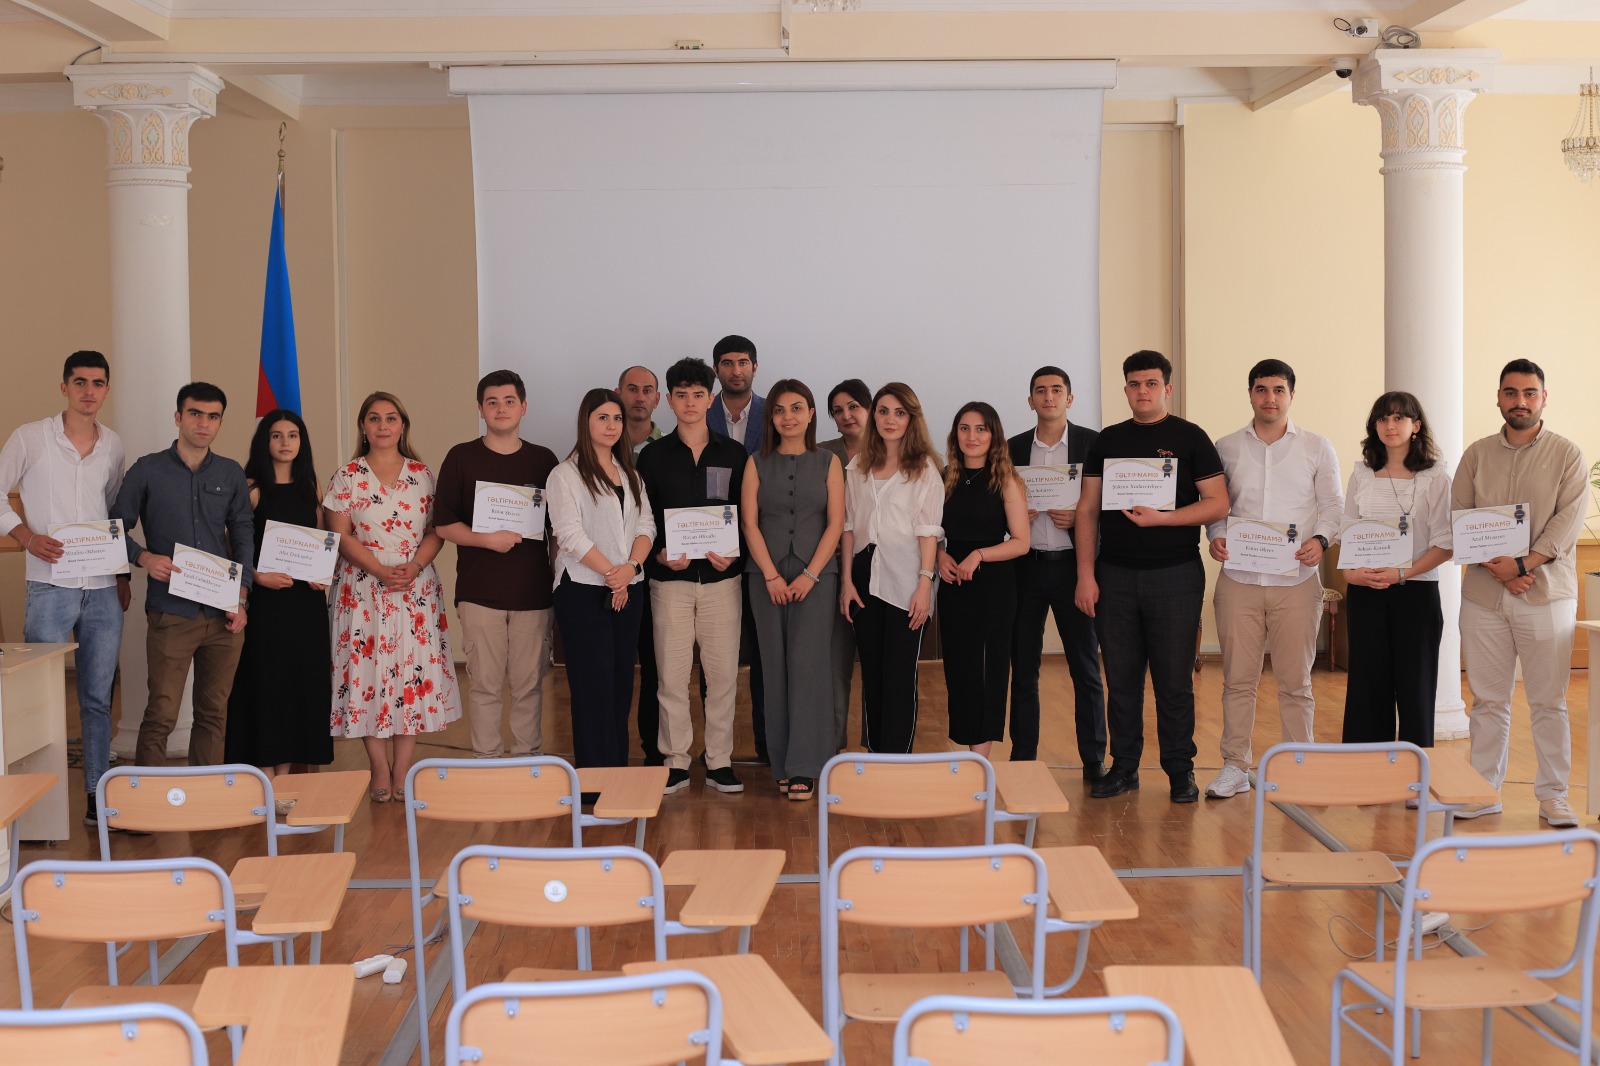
(503, 577)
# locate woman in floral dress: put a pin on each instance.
(392, 671)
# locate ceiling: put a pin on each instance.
(284, 54)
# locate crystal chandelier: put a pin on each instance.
(1581, 147)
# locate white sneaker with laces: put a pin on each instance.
(1478, 810)
(1558, 812)
(1229, 782)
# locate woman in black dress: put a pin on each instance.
(278, 711)
(984, 502)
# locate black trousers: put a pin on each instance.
(751, 645)
(976, 619)
(887, 647)
(649, 712)
(1394, 663)
(1044, 585)
(600, 645)
(1149, 619)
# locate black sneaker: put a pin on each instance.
(1121, 779)
(677, 781)
(723, 779)
(1183, 788)
(91, 814)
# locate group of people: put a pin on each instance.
(843, 548)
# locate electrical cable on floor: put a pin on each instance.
(1438, 937)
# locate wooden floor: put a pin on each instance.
(1191, 919)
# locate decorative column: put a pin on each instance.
(149, 110)
(1421, 96)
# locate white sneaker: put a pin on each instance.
(1230, 782)
(1478, 810)
(1558, 812)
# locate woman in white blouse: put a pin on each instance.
(1395, 619)
(603, 527)
(894, 498)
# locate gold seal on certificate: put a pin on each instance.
(1052, 488)
(518, 508)
(1129, 483)
(205, 578)
(1259, 547)
(1484, 533)
(89, 549)
(1376, 543)
(303, 553)
(694, 531)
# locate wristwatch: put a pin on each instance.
(1319, 538)
(1522, 566)
(926, 573)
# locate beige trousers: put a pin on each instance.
(1491, 643)
(687, 613)
(1252, 620)
(505, 647)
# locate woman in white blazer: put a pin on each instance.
(603, 528)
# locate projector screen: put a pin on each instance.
(948, 239)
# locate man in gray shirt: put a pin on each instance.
(186, 495)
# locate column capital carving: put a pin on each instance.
(148, 109)
(1421, 95)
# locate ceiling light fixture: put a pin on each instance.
(1581, 147)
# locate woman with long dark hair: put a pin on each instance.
(793, 514)
(277, 711)
(393, 675)
(604, 530)
(1395, 619)
(894, 497)
(986, 527)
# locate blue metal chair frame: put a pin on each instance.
(1255, 887)
(1459, 848)
(1114, 1009)
(833, 1018)
(661, 984)
(129, 1015)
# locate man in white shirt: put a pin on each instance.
(738, 412)
(1279, 473)
(68, 468)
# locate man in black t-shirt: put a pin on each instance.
(1146, 588)
(503, 579)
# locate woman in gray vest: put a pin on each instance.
(793, 513)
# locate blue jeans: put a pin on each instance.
(93, 618)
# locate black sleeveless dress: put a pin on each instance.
(278, 711)
(975, 617)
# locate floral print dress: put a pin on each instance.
(392, 671)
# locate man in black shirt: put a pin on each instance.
(694, 601)
(1146, 588)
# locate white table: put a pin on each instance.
(33, 730)
(1593, 631)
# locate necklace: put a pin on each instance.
(1405, 508)
(969, 478)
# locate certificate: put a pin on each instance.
(1374, 542)
(303, 553)
(694, 531)
(1259, 547)
(1052, 488)
(1484, 533)
(89, 549)
(1129, 483)
(205, 578)
(518, 508)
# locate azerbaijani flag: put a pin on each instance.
(279, 383)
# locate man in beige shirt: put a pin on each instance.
(1524, 607)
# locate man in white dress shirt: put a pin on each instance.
(68, 468)
(1279, 473)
